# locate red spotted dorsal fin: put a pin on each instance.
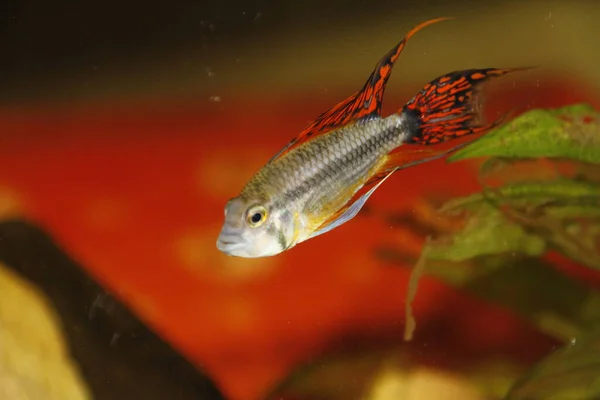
(364, 103)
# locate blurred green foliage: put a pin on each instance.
(540, 192)
(568, 373)
(569, 132)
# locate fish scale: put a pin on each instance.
(358, 147)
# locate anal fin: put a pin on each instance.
(352, 208)
(394, 162)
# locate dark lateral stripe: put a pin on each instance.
(330, 168)
(281, 239)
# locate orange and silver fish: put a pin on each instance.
(323, 177)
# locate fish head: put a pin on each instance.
(256, 228)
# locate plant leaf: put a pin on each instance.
(528, 218)
(487, 232)
(564, 191)
(569, 132)
(572, 372)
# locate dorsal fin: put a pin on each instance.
(364, 103)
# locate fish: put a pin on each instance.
(324, 176)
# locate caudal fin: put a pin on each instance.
(449, 107)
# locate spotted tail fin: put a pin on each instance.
(449, 107)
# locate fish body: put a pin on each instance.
(323, 177)
(324, 173)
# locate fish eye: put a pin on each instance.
(256, 216)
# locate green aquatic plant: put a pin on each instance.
(568, 373)
(532, 211)
(571, 132)
(540, 193)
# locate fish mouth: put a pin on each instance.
(230, 244)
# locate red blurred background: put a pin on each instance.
(133, 185)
